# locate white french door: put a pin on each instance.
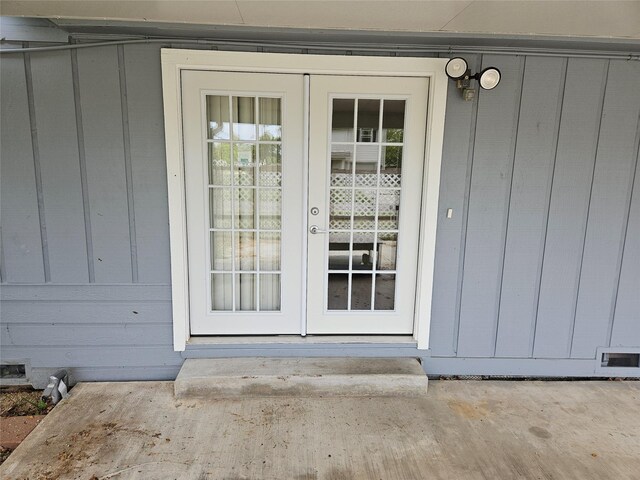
(244, 164)
(243, 151)
(366, 158)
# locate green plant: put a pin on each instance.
(41, 405)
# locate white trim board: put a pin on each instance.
(175, 60)
(306, 340)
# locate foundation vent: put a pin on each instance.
(13, 371)
(611, 359)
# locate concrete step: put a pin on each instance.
(301, 377)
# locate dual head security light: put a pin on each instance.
(457, 69)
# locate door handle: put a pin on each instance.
(314, 229)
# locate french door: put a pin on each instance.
(243, 153)
(366, 152)
(261, 259)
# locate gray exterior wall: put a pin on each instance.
(538, 268)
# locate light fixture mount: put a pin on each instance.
(458, 69)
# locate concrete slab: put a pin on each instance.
(462, 430)
(325, 377)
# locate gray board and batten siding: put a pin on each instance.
(537, 272)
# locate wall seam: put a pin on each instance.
(465, 219)
(586, 221)
(625, 229)
(552, 169)
(514, 147)
(37, 167)
(3, 274)
(102, 346)
(82, 161)
(85, 325)
(82, 302)
(127, 164)
(128, 368)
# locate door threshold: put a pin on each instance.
(298, 339)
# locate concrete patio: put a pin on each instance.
(460, 430)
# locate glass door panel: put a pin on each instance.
(364, 201)
(366, 172)
(239, 226)
(243, 155)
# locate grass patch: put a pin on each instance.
(21, 401)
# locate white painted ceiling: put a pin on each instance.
(613, 18)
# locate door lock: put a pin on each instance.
(315, 211)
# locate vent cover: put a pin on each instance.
(611, 359)
(13, 371)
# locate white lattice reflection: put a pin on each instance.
(364, 203)
(342, 165)
(367, 165)
(270, 165)
(244, 163)
(245, 207)
(219, 163)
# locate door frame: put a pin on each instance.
(173, 61)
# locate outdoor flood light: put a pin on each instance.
(489, 78)
(458, 69)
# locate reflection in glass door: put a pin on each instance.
(364, 203)
(366, 164)
(244, 144)
(243, 153)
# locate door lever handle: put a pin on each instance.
(314, 229)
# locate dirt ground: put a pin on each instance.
(18, 402)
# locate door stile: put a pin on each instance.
(306, 90)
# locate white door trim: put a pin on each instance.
(175, 60)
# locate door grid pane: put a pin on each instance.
(364, 203)
(244, 145)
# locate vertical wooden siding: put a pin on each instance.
(90, 289)
(22, 249)
(540, 260)
(489, 196)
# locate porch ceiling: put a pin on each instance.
(602, 19)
